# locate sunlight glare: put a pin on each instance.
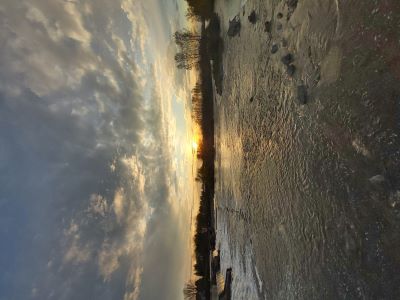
(194, 145)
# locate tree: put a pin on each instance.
(186, 36)
(191, 15)
(189, 291)
(201, 8)
(186, 62)
(188, 43)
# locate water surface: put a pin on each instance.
(308, 196)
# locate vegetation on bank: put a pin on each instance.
(202, 51)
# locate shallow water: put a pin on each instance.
(300, 214)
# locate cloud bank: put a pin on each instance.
(85, 162)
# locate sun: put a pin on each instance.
(195, 145)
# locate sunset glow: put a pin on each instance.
(195, 145)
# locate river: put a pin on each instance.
(308, 195)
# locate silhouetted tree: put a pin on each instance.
(201, 8)
(186, 36)
(189, 291)
(188, 43)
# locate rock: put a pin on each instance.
(287, 59)
(302, 94)
(252, 99)
(252, 17)
(290, 69)
(377, 179)
(267, 26)
(279, 15)
(274, 48)
(284, 43)
(292, 3)
(234, 26)
(279, 26)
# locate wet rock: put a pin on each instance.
(267, 26)
(287, 59)
(279, 15)
(274, 48)
(234, 26)
(292, 4)
(377, 179)
(302, 96)
(252, 17)
(290, 70)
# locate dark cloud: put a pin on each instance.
(84, 165)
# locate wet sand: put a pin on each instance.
(308, 195)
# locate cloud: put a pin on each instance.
(85, 160)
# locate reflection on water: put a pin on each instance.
(307, 196)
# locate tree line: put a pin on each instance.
(193, 54)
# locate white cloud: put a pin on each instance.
(119, 204)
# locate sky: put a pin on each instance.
(95, 150)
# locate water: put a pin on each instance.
(299, 213)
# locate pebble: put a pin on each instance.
(274, 48)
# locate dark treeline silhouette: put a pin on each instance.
(202, 104)
(202, 51)
(200, 9)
